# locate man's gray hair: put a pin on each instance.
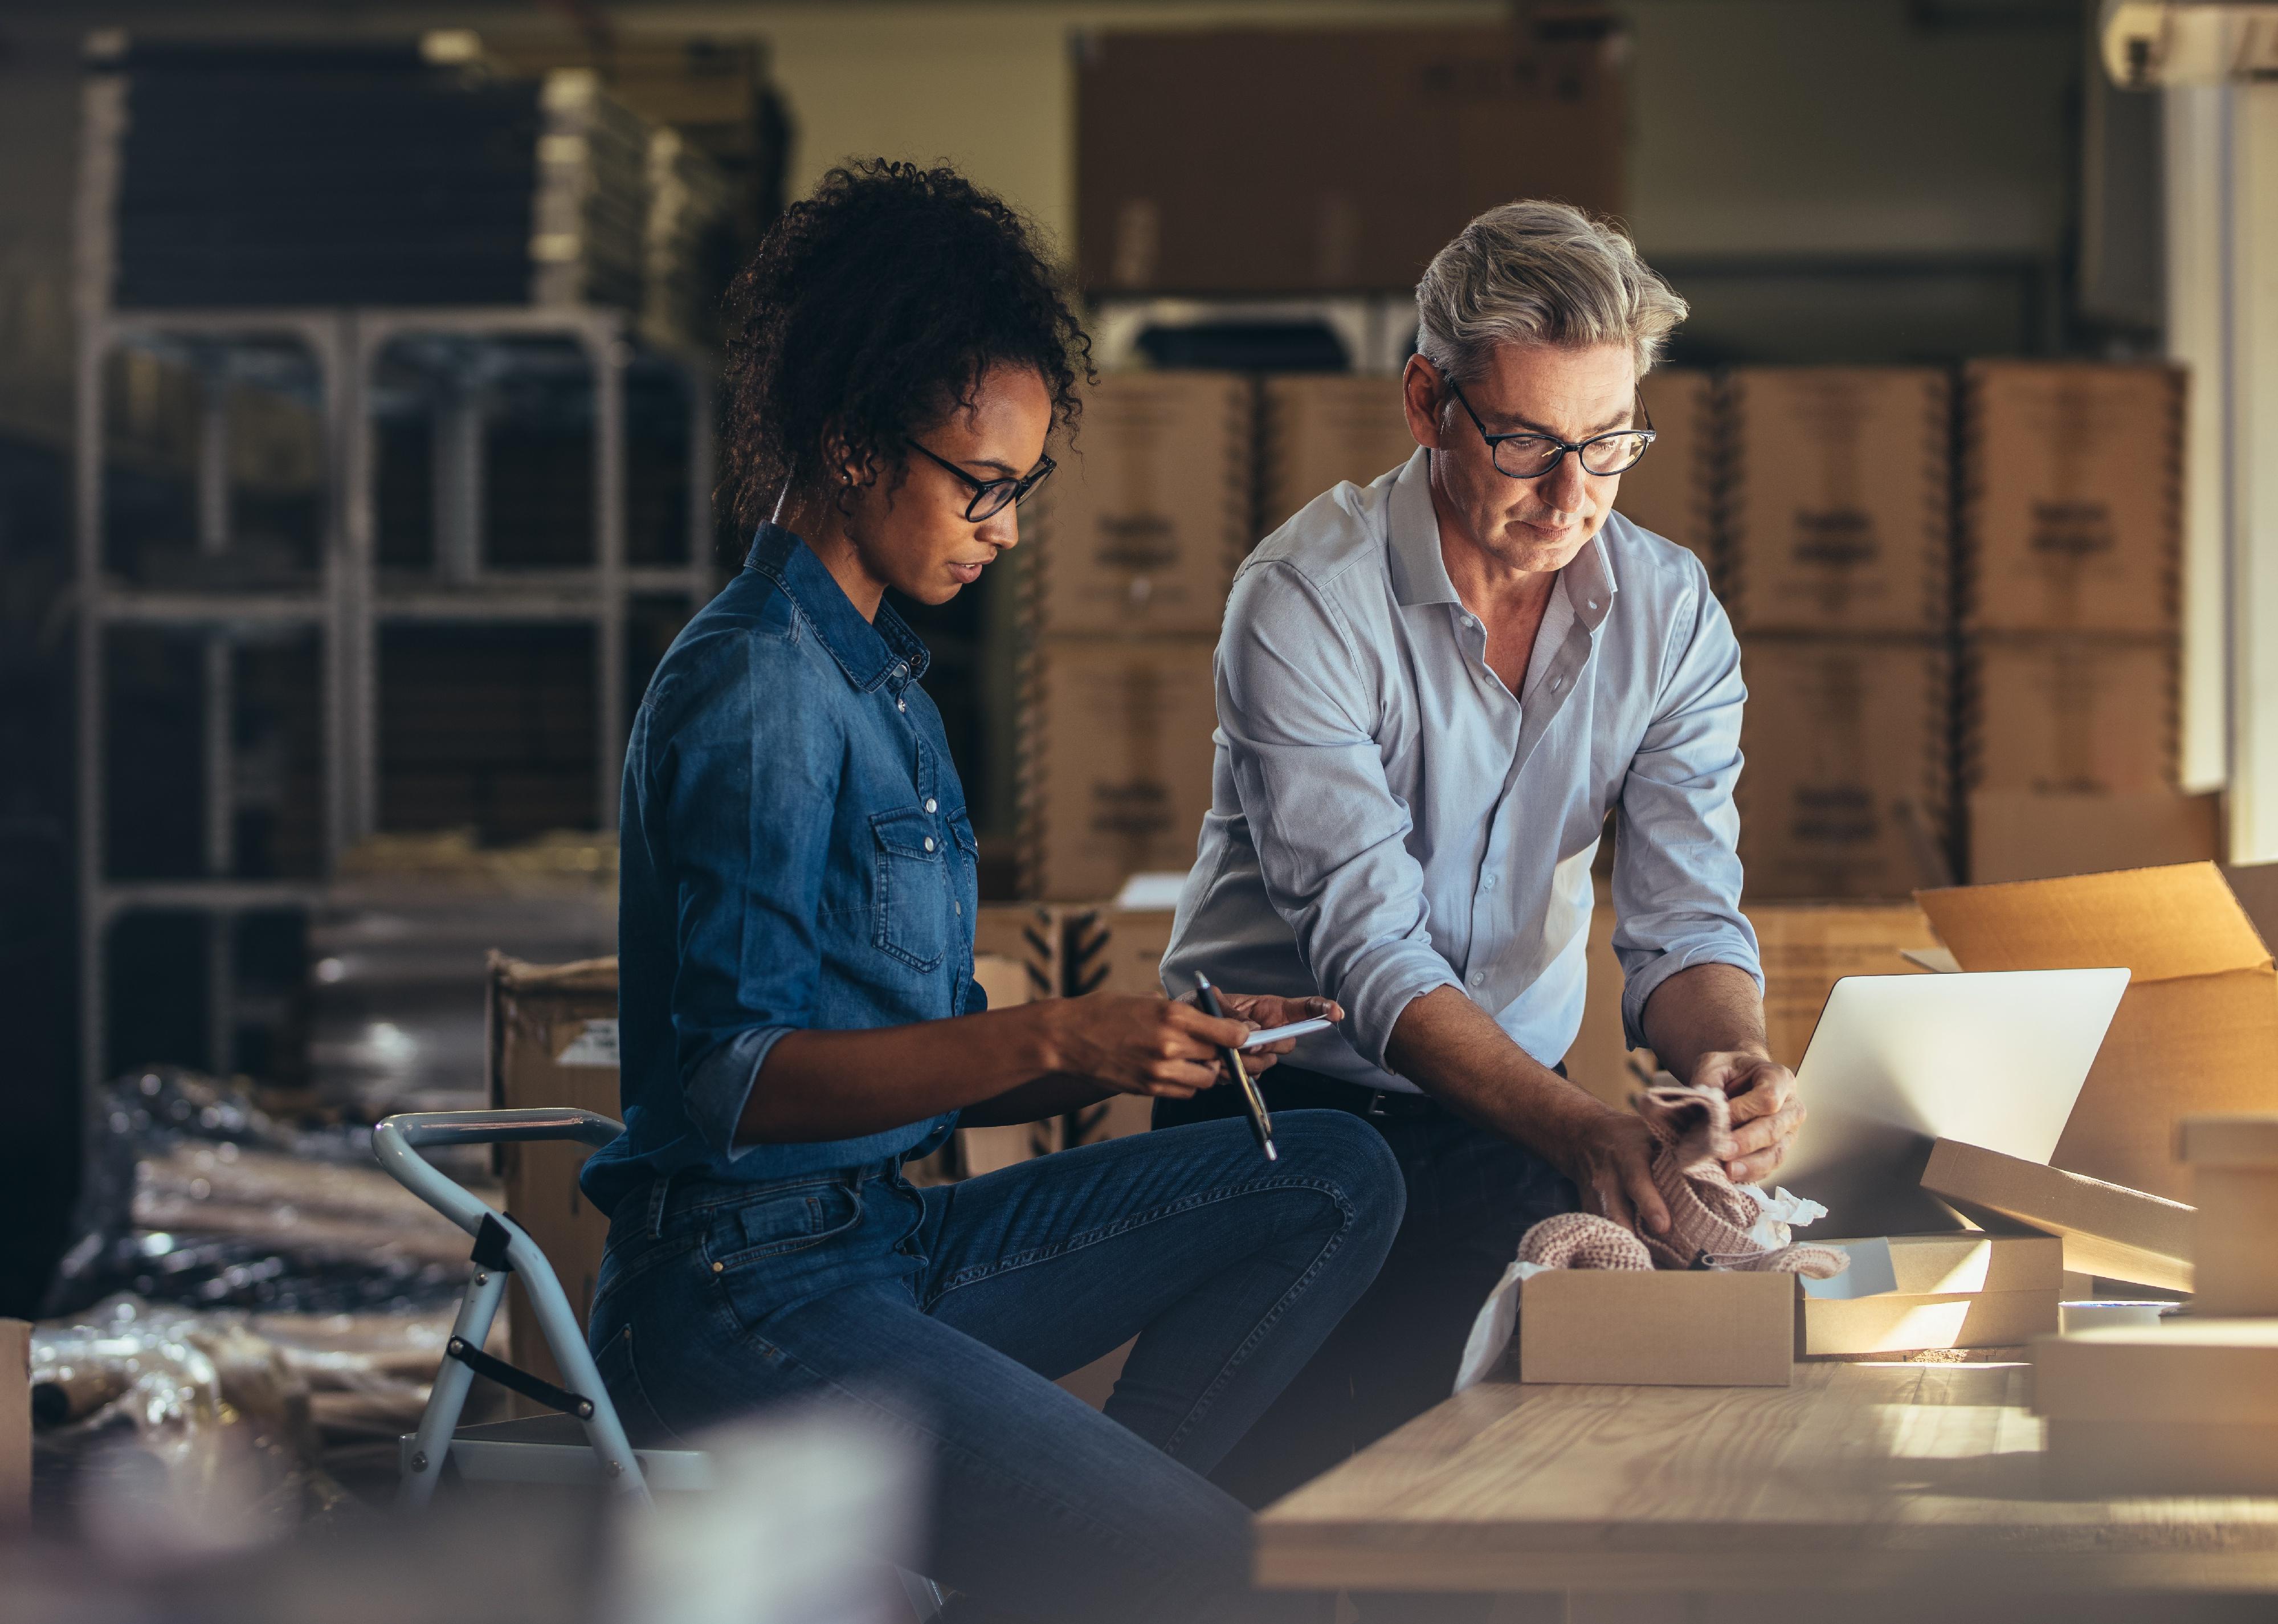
(1540, 272)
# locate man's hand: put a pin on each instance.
(1262, 1011)
(1609, 1160)
(1765, 1111)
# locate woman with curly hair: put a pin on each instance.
(798, 1006)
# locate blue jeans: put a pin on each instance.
(945, 1314)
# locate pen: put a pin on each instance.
(1261, 1125)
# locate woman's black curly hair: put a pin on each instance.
(870, 311)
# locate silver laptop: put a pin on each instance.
(1993, 1058)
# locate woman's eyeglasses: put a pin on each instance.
(992, 496)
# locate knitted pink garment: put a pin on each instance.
(1708, 1216)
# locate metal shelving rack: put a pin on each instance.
(348, 601)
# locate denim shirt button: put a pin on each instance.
(932, 805)
(928, 843)
(901, 704)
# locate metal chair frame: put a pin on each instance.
(502, 1247)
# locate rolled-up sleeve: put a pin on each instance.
(747, 811)
(1297, 706)
(1677, 864)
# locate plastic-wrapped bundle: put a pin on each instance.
(194, 1197)
(148, 1396)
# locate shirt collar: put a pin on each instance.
(1419, 572)
(871, 653)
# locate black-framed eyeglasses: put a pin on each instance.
(992, 497)
(1529, 456)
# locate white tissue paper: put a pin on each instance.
(1779, 1207)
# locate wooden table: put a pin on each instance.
(1857, 1476)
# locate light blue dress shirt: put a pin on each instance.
(1387, 817)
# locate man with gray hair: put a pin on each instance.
(1431, 691)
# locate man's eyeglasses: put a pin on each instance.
(1530, 456)
(992, 497)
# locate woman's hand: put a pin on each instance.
(1262, 1011)
(1165, 1048)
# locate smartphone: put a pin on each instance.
(1295, 1029)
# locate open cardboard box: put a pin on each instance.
(2196, 1032)
(1908, 1292)
(1666, 1328)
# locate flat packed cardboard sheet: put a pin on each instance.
(1325, 428)
(2070, 714)
(2198, 1031)
(2023, 835)
(553, 1042)
(1118, 774)
(1328, 160)
(2073, 482)
(1844, 793)
(1838, 501)
(15, 1422)
(1901, 1322)
(2103, 1460)
(1657, 1328)
(2183, 1369)
(2119, 1234)
(1672, 492)
(1141, 528)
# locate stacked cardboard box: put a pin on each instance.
(1134, 545)
(1835, 511)
(2183, 1406)
(1673, 491)
(1320, 429)
(2071, 520)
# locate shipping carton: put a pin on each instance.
(552, 1041)
(1286, 160)
(1674, 491)
(2234, 1163)
(2183, 1369)
(1322, 428)
(15, 1422)
(1029, 934)
(2117, 1233)
(2069, 714)
(1839, 507)
(1846, 789)
(2071, 496)
(2025, 835)
(1658, 1328)
(1896, 1323)
(2196, 1032)
(1141, 528)
(1116, 761)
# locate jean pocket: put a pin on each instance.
(910, 886)
(620, 1375)
(780, 1222)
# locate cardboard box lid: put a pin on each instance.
(2120, 1233)
(2161, 924)
(2249, 1139)
(1969, 1260)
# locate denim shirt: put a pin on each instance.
(796, 854)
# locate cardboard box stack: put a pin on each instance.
(1836, 516)
(2069, 547)
(1134, 546)
(1674, 490)
(1320, 428)
(2185, 1405)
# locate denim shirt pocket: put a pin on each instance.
(909, 890)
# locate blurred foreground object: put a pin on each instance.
(2157, 45)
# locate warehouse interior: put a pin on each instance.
(361, 387)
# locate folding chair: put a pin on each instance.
(547, 1449)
